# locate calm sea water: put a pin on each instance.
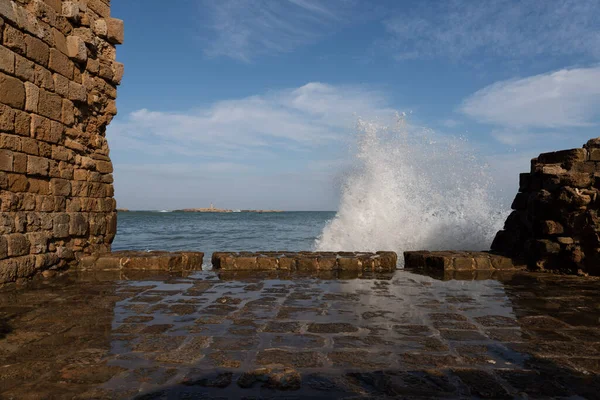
(209, 232)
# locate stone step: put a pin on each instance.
(144, 260)
(381, 261)
(460, 261)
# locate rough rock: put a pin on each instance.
(555, 223)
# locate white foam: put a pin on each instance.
(408, 191)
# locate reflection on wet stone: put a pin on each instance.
(197, 336)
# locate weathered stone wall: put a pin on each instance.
(144, 260)
(459, 261)
(555, 223)
(58, 78)
(305, 261)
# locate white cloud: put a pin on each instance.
(569, 98)
(243, 29)
(282, 149)
(508, 29)
(296, 120)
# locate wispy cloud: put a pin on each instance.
(508, 29)
(244, 29)
(298, 119)
(569, 98)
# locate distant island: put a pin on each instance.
(213, 209)
(122, 210)
(219, 210)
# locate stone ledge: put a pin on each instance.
(143, 260)
(459, 261)
(305, 261)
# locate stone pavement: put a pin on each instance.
(204, 335)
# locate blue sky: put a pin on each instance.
(253, 103)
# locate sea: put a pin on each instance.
(405, 189)
(210, 232)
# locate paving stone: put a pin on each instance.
(460, 335)
(332, 328)
(295, 359)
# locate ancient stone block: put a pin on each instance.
(20, 163)
(104, 167)
(99, 7)
(118, 71)
(43, 78)
(18, 245)
(564, 157)
(38, 242)
(100, 28)
(61, 85)
(14, 40)
(115, 30)
(37, 50)
(22, 123)
(60, 187)
(76, 49)
(7, 60)
(30, 146)
(60, 63)
(6, 160)
(50, 105)
(12, 91)
(551, 228)
(32, 97)
(70, 9)
(7, 11)
(7, 119)
(267, 263)
(17, 183)
(68, 112)
(594, 154)
(77, 92)
(60, 225)
(10, 142)
(24, 69)
(78, 224)
(37, 166)
(39, 186)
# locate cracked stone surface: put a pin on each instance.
(203, 335)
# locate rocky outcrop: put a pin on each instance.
(305, 261)
(58, 79)
(555, 224)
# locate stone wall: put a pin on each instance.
(554, 224)
(382, 261)
(58, 79)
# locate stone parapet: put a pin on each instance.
(143, 260)
(459, 261)
(58, 85)
(305, 261)
(554, 224)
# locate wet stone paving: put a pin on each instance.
(205, 335)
